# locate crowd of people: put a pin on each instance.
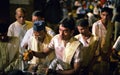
(86, 42)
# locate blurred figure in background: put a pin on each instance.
(9, 53)
(103, 28)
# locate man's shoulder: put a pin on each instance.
(77, 36)
(56, 36)
(29, 24)
(48, 28)
(97, 22)
(50, 31)
(95, 38)
(48, 36)
(75, 41)
(30, 30)
(13, 24)
(118, 37)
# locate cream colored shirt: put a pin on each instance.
(80, 38)
(99, 29)
(59, 46)
(18, 30)
(29, 33)
(91, 48)
(33, 45)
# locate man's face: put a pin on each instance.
(39, 35)
(65, 33)
(104, 17)
(82, 30)
(36, 18)
(20, 17)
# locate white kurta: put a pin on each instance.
(80, 38)
(38, 46)
(99, 29)
(17, 30)
(59, 46)
(60, 50)
(29, 33)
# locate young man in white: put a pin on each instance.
(103, 29)
(100, 27)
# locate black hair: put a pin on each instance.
(68, 23)
(83, 22)
(106, 9)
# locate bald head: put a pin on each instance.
(20, 10)
(20, 15)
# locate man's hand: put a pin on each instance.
(28, 55)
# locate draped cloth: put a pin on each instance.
(39, 47)
(68, 54)
(106, 43)
(9, 54)
(88, 53)
(41, 63)
(34, 47)
(102, 68)
(70, 50)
